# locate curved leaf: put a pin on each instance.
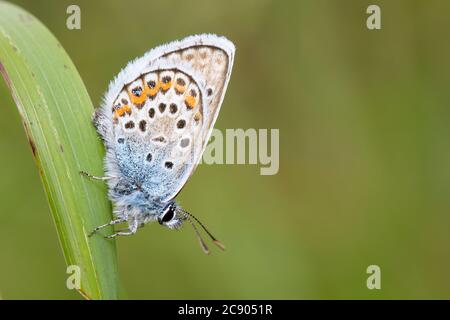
(56, 112)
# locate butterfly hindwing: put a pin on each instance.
(159, 112)
(157, 139)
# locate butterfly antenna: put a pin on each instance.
(202, 243)
(217, 242)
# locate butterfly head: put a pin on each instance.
(173, 217)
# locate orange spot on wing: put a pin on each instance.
(121, 111)
(127, 109)
(180, 88)
(151, 91)
(165, 86)
(190, 102)
(137, 100)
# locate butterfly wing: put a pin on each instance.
(212, 58)
(158, 114)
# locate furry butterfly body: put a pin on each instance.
(155, 122)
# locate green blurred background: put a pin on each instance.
(364, 153)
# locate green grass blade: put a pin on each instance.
(56, 112)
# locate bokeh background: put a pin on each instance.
(364, 175)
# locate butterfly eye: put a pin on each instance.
(168, 215)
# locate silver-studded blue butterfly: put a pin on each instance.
(155, 122)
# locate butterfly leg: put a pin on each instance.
(111, 223)
(90, 176)
(125, 232)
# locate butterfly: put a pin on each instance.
(155, 121)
